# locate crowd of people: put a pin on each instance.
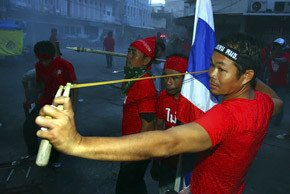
(150, 128)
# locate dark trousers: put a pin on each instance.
(131, 178)
(109, 59)
(29, 132)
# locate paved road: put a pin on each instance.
(100, 114)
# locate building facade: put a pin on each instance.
(265, 19)
(79, 22)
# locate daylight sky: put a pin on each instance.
(157, 1)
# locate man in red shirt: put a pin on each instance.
(108, 45)
(138, 111)
(51, 72)
(228, 135)
(278, 66)
(166, 108)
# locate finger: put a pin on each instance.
(44, 121)
(51, 111)
(65, 101)
(44, 134)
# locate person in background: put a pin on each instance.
(51, 72)
(278, 66)
(164, 170)
(138, 111)
(108, 45)
(157, 66)
(53, 37)
(32, 91)
(185, 47)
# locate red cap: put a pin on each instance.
(176, 63)
(146, 46)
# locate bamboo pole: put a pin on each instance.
(87, 50)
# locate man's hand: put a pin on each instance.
(61, 131)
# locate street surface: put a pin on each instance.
(100, 114)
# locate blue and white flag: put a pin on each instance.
(196, 98)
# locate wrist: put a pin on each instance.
(76, 149)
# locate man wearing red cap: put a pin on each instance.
(166, 109)
(51, 72)
(138, 111)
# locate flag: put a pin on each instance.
(195, 98)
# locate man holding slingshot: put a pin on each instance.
(230, 134)
(51, 72)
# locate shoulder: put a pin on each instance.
(264, 98)
(162, 95)
(146, 82)
(61, 61)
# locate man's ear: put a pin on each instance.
(146, 61)
(248, 76)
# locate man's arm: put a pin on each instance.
(278, 103)
(64, 137)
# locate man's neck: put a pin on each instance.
(246, 92)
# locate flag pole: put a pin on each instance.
(179, 165)
(195, 20)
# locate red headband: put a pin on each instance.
(176, 63)
(146, 46)
(43, 56)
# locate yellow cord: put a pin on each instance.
(127, 80)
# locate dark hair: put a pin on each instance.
(249, 49)
(110, 34)
(44, 47)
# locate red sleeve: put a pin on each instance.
(71, 76)
(159, 107)
(146, 96)
(218, 124)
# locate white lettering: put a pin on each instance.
(231, 54)
(220, 48)
(170, 117)
(168, 114)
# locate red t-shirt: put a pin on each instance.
(278, 71)
(141, 98)
(109, 44)
(166, 109)
(58, 73)
(237, 128)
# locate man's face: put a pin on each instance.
(135, 58)
(223, 77)
(45, 62)
(173, 84)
